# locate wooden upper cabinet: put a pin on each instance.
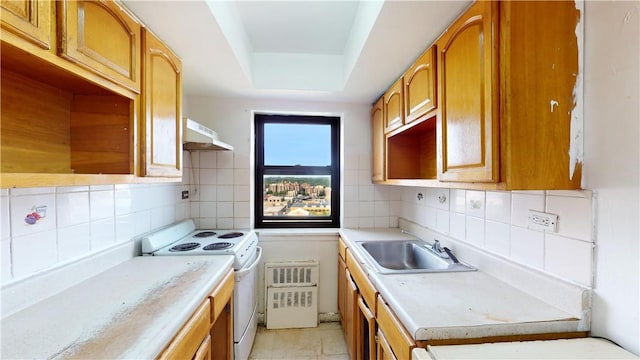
(161, 129)
(468, 98)
(377, 143)
(31, 20)
(101, 37)
(393, 107)
(420, 86)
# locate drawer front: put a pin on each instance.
(186, 343)
(365, 286)
(220, 296)
(399, 339)
(342, 249)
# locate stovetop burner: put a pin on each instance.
(185, 247)
(230, 235)
(218, 246)
(204, 234)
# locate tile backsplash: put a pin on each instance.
(497, 222)
(78, 221)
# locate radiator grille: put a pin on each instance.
(292, 294)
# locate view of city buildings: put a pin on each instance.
(285, 196)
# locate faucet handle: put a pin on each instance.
(436, 246)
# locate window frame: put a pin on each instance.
(333, 170)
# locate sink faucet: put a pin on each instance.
(436, 246)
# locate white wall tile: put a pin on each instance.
(442, 221)
(225, 223)
(241, 161)
(73, 241)
(366, 222)
(434, 196)
(241, 193)
(157, 217)
(587, 194)
(125, 227)
(207, 223)
(241, 209)
(208, 176)
(241, 177)
(498, 206)
(225, 193)
(365, 193)
(475, 204)
(207, 193)
(350, 223)
(225, 176)
(381, 208)
(31, 191)
(34, 252)
(351, 209)
(380, 192)
(21, 206)
(182, 211)
(574, 216)
(364, 177)
(102, 204)
(475, 230)
(457, 201)
(208, 209)
(241, 223)
(5, 251)
(5, 222)
(430, 217)
(101, 187)
(364, 162)
(208, 159)
(366, 208)
(142, 222)
(195, 209)
(458, 224)
(350, 177)
(527, 247)
(225, 159)
(73, 208)
(122, 202)
(351, 162)
(351, 193)
(497, 237)
(393, 222)
(103, 233)
(381, 222)
(568, 258)
(68, 189)
(224, 209)
(521, 203)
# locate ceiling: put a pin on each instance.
(342, 51)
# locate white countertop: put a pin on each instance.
(129, 311)
(587, 348)
(460, 304)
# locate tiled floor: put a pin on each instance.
(323, 342)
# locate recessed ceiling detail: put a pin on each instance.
(296, 45)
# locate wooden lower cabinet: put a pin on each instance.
(384, 349)
(365, 332)
(351, 306)
(208, 334)
(342, 288)
(400, 342)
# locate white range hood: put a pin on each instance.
(196, 136)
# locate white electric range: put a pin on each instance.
(184, 239)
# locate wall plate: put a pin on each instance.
(542, 221)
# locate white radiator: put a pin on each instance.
(292, 294)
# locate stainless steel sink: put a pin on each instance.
(408, 256)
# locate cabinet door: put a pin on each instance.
(366, 332)
(351, 309)
(393, 107)
(384, 349)
(378, 158)
(161, 110)
(467, 68)
(101, 37)
(29, 19)
(342, 289)
(419, 86)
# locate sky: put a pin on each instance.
(297, 144)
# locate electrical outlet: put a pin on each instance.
(542, 221)
(185, 194)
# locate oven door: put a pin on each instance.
(244, 303)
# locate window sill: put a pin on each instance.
(296, 232)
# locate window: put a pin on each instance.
(297, 171)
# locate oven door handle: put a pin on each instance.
(240, 273)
